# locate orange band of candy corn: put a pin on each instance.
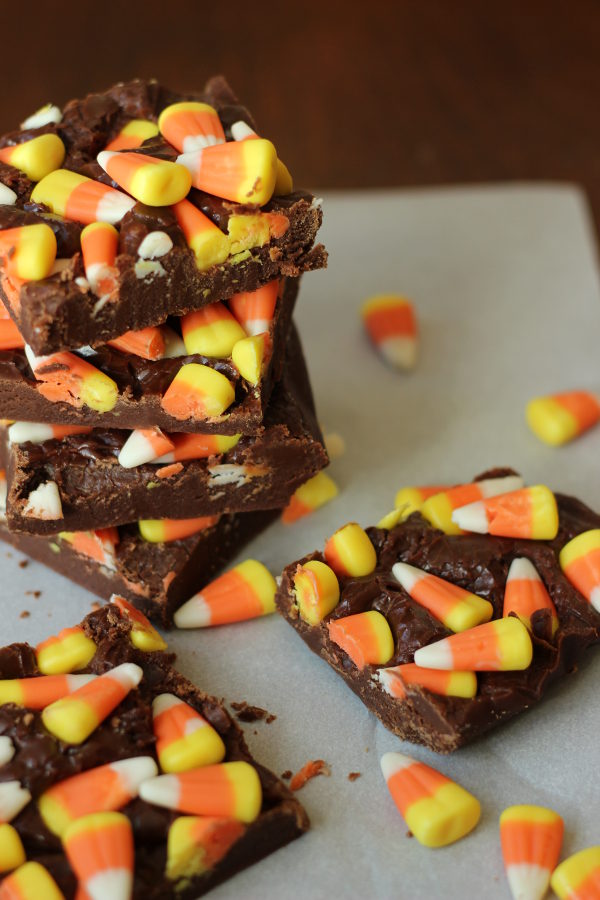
(190, 125)
(39, 692)
(531, 838)
(208, 243)
(99, 545)
(500, 645)
(255, 310)
(525, 593)
(133, 134)
(529, 513)
(100, 850)
(195, 844)
(580, 561)
(449, 684)
(66, 378)
(197, 391)
(149, 343)
(211, 331)
(366, 638)
(198, 446)
(244, 172)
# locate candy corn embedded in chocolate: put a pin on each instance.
(133, 134)
(38, 692)
(12, 852)
(244, 592)
(198, 446)
(241, 131)
(74, 718)
(437, 811)
(255, 310)
(559, 418)
(142, 446)
(438, 508)
(45, 115)
(36, 157)
(99, 243)
(81, 199)
(143, 634)
(580, 561)
(249, 356)
(100, 545)
(159, 531)
(527, 513)
(498, 646)
(71, 649)
(13, 798)
(244, 172)
(44, 502)
(195, 844)
(411, 499)
(198, 391)
(100, 850)
(10, 336)
(184, 739)
(155, 182)
(311, 495)
(7, 195)
(455, 607)
(349, 551)
(7, 749)
(366, 637)
(149, 343)
(208, 243)
(450, 684)
(190, 126)
(230, 789)
(28, 252)
(211, 331)
(66, 378)
(578, 877)
(531, 837)
(525, 593)
(316, 591)
(391, 323)
(30, 881)
(38, 432)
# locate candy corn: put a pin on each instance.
(30, 881)
(455, 607)
(36, 693)
(498, 646)
(316, 591)
(45, 115)
(149, 343)
(79, 198)
(527, 513)
(28, 252)
(142, 446)
(450, 684)
(103, 789)
(44, 502)
(184, 739)
(349, 552)
(208, 243)
(198, 446)
(231, 789)
(190, 126)
(249, 356)
(66, 378)
(13, 798)
(100, 545)
(36, 157)
(561, 417)
(311, 495)
(244, 592)
(38, 432)
(366, 637)
(578, 877)
(248, 230)
(100, 850)
(155, 182)
(7, 195)
(438, 508)
(143, 635)
(244, 172)
(7, 750)
(195, 844)
(71, 649)
(74, 718)
(241, 131)
(531, 837)
(580, 561)
(391, 324)
(437, 811)
(526, 593)
(198, 391)
(159, 531)
(411, 499)
(99, 243)
(391, 519)
(255, 310)
(12, 852)
(211, 331)
(10, 336)
(133, 135)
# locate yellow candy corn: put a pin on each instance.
(28, 252)
(366, 637)
(198, 391)
(580, 561)
(196, 844)
(184, 739)
(211, 331)
(12, 852)
(37, 157)
(155, 182)
(350, 552)
(311, 495)
(30, 881)
(133, 134)
(207, 242)
(71, 649)
(248, 356)
(578, 877)
(393, 518)
(316, 590)
(562, 417)
(411, 499)
(143, 635)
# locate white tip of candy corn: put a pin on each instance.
(34, 432)
(174, 345)
(7, 196)
(595, 598)
(161, 791)
(127, 674)
(523, 570)
(155, 245)
(400, 352)
(164, 702)
(136, 451)
(394, 762)
(471, 517)
(45, 115)
(44, 502)
(7, 750)
(528, 881)
(113, 206)
(435, 656)
(135, 771)
(113, 883)
(195, 613)
(13, 798)
(407, 575)
(241, 130)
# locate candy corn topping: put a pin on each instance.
(100, 545)
(244, 172)
(241, 131)
(249, 356)
(316, 591)
(207, 242)
(38, 432)
(526, 593)
(437, 811)
(366, 637)
(81, 199)
(100, 850)
(195, 844)
(71, 649)
(143, 634)
(190, 126)
(244, 592)
(66, 378)
(349, 551)
(7, 750)
(99, 242)
(133, 134)
(450, 684)
(28, 252)
(198, 446)
(198, 392)
(155, 182)
(561, 417)
(531, 837)
(311, 495)
(230, 789)
(527, 513)
(255, 310)
(211, 331)
(13, 798)
(438, 508)
(580, 561)
(149, 343)
(142, 446)
(36, 693)
(184, 739)
(30, 881)
(393, 518)
(455, 607)
(501, 645)
(391, 324)
(12, 852)
(411, 499)
(44, 502)
(37, 157)
(578, 877)
(159, 531)
(45, 115)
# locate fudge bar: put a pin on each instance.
(59, 820)
(477, 563)
(167, 259)
(139, 393)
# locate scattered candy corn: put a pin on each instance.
(13, 798)
(208, 243)
(230, 789)
(38, 432)
(100, 545)
(531, 837)
(99, 243)
(133, 135)
(316, 591)
(12, 852)
(241, 131)
(190, 126)
(526, 593)
(244, 172)
(81, 199)
(449, 684)
(36, 157)
(45, 115)
(349, 551)
(366, 637)
(30, 881)
(249, 356)
(66, 378)
(244, 592)
(311, 495)
(438, 508)
(455, 607)
(143, 634)
(580, 561)
(578, 877)
(40, 691)
(198, 446)
(198, 391)
(10, 336)
(195, 844)
(255, 310)
(391, 324)
(155, 182)
(501, 645)
(142, 446)
(184, 739)
(28, 252)
(7, 750)
(437, 811)
(71, 649)
(44, 502)
(159, 531)
(527, 513)
(100, 850)
(211, 331)
(561, 417)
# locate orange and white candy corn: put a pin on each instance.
(211, 331)
(75, 717)
(198, 446)
(66, 378)
(36, 157)
(198, 391)
(437, 810)
(559, 418)
(349, 551)
(311, 495)
(531, 837)
(244, 172)
(28, 252)
(160, 531)
(411, 499)
(455, 607)
(12, 852)
(449, 684)
(7, 195)
(99, 244)
(498, 646)
(143, 634)
(437, 508)
(525, 593)
(241, 131)
(10, 336)
(7, 750)
(195, 844)
(255, 310)
(206, 240)
(100, 545)
(190, 125)
(316, 591)
(580, 561)
(31, 881)
(155, 182)
(230, 789)
(133, 135)
(578, 877)
(38, 432)
(103, 789)
(149, 343)
(142, 446)
(100, 850)
(13, 798)
(45, 115)
(184, 739)
(249, 356)
(244, 592)
(391, 324)
(529, 513)
(69, 650)
(38, 692)
(44, 502)
(81, 199)
(366, 637)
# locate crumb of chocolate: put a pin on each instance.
(35, 594)
(352, 776)
(287, 774)
(409, 834)
(270, 718)
(247, 713)
(24, 614)
(23, 563)
(309, 770)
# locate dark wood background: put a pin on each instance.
(412, 92)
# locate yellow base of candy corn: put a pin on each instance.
(72, 721)
(147, 641)
(210, 248)
(55, 816)
(316, 590)
(12, 852)
(201, 748)
(248, 355)
(574, 871)
(247, 232)
(284, 183)
(68, 654)
(551, 422)
(443, 819)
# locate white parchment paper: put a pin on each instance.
(506, 287)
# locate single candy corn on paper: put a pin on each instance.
(316, 590)
(311, 495)
(30, 881)
(36, 157)
(455, 607)
(578, 877)
(13, 798)
(438, 508)
(449, 684)
(211, 331)
(40, 691)
(529, 513)
(184, 739)
(255, 310)
(244, 172)
(526, 593)
(190, 126)
(207, 242)
(245, 592)
(155, 182)
(531, 837)
(501, 645)
(249, 356)
(133, 134)
(81, 199)
(100, 850)
(71, 649)
(159, 531)
(350, 552)
(391, 323)
(580, 561)
(198, 391)
(195, 844)
(411, 499)
(28, 252)
(366, 638)
(12, 852)
(437, 811)
(143, 634)
(560, 418)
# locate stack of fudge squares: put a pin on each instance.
(156, 405)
